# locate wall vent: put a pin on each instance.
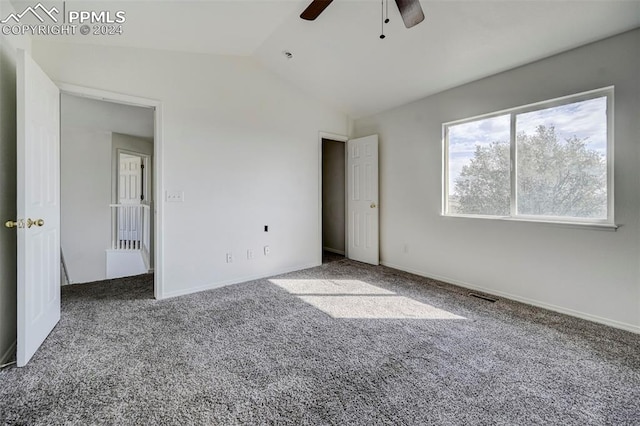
(483, 297)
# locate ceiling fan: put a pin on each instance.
(410, 10)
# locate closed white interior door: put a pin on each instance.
(362, 199)
(38, 176)
(129, 194)
(130, 179)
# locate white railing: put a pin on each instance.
(129, 226)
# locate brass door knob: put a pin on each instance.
(37, 222)
(13, 224)
(373, 205)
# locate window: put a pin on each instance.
(550, 161)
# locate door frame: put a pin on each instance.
(337, 138)
(146, 178)
(158, 182)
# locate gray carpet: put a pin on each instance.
(258, 353)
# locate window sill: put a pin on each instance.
(567, 224)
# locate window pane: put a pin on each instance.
(479, 181)
(562, 160)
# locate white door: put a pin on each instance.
(38, 176)
(130, 179)
(362, 199)
(129, 196)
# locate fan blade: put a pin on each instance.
(315, 9)
(411, 12)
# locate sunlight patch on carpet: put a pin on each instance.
(359, 300)
(329, 287)
(376, 307)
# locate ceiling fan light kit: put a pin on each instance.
(410, 10)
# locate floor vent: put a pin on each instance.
(483, 297)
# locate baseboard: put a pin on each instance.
(582, 315)
(215, 285)
(330, 250)
(6, 357)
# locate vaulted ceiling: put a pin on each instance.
(340, 58)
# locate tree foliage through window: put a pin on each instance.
(555, 178)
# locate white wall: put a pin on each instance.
(85, 195)
(333, 197)
(240, 143)
(8, 47)
(103, 115)
(589, 273)
(132, 143)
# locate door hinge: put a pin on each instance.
(142, 182)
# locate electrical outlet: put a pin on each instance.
(249, 254)
(229, 258)
(267, 250)
(174, 196)
(405, 248)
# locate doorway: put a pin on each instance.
(131, 178)
(358, 217)
(131, 218)
(38, 173)
(131, 249)
(334, 226)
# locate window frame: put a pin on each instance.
(600, 223)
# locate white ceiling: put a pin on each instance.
(223, 27)
(340, 59)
